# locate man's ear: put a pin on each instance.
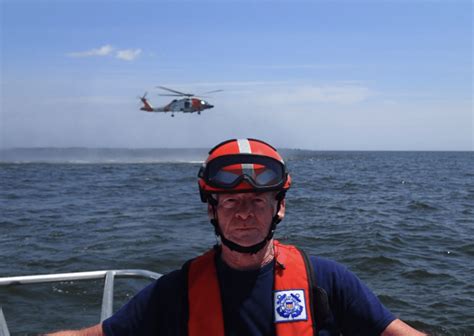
(210, 212)
(281, 212)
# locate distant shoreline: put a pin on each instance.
(207, 149)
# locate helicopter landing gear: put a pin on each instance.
(172, 115)
(199, 112)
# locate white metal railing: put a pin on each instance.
(108, 294)
(3, 325)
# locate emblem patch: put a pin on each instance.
(289, 305)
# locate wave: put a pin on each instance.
(422, 274)
(418, 205)
(101, 155)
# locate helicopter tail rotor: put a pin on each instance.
(142, 97)
(146, 105)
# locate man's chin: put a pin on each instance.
(246, 241)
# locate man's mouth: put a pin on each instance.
(246, 229)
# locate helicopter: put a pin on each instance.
(189, 104)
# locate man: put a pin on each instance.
(251, 284)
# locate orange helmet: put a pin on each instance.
(243, 165)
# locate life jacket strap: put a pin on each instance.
(320, 309)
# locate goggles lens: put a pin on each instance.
(228, 171)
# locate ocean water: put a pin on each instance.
(402, 221)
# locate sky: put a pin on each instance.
(320, 75)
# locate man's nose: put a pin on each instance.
(245, 210)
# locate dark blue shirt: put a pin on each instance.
(247, 296)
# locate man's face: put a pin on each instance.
(246, 218)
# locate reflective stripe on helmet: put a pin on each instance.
(244, 146)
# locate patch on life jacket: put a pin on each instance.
(290, 305)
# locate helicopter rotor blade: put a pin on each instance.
(142, 100)
(143, 97)
(175, 91)
(213, 91)
(172, 95)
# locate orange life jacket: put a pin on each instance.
(293, 296)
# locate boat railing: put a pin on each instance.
(108, 293)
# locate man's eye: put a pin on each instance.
(259, 201)
(229, 202)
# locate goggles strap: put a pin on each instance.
(247, 249)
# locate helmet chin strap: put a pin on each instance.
(253, 249)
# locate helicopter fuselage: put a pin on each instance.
(185, 105)
(188, 105)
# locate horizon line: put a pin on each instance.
(207, 149)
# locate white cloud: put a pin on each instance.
(102, 51)
(107, 50)
(128, 54)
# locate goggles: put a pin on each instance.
(228, 171)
